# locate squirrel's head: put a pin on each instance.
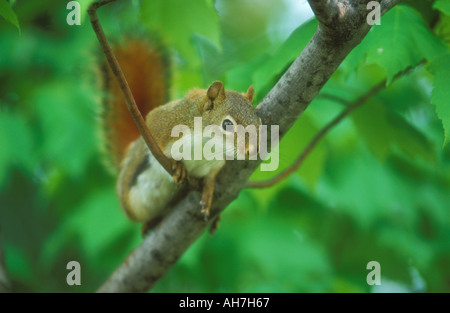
(232, 114)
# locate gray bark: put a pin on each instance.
(342, 26)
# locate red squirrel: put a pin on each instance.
(143, 186)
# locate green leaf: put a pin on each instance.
(402, 40)
(293, 143)
(96, 223)
(440, 97)
(442, 28)
(178, 20)
(211, 57)
(241, 77)
(285, 55)
(84, 6)
(65, 117)
(384, 130)
(18, 263)
(7, 12)
(305, 267)
(443, 6)
(306, 176)
(16, 144)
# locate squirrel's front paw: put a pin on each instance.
(179, 172)
(206, 203)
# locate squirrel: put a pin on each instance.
(143, 186)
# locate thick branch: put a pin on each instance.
(386, 5)
(282, 106)
(123, 84)
(325, 10)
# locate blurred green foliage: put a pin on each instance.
(376, 188)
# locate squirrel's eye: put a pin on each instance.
(226, 123)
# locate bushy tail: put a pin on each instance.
(146, 68)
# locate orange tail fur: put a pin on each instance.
(146, 69)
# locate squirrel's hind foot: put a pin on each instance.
(179, 172)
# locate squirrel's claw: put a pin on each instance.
(206, 204)
(179, 172)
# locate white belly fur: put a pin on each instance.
(196, 168)
(155, 188)
(152, 192)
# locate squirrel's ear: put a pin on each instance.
(215, 92)
(250, 93)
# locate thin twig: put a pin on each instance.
(286, 101)
(276, 179)
(123, 84)
(329, 96)
(352, 106)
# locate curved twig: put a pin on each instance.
(282, 106)
(350, 107)
(123, 84)
(357, 103)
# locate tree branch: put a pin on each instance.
(350, 107)
(325, 10)
(357, 103)
(331, 97)
(123, 84)
(282, 106)
(386, 5)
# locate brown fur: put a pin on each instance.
(212, 105)
(145, 68)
